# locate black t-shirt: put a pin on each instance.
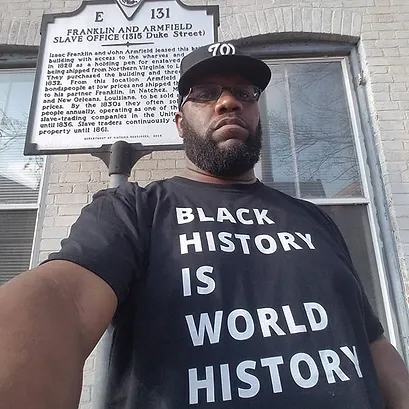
(232, 296)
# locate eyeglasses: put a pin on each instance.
(212, 92)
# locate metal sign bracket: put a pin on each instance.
(120, 158)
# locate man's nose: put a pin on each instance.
(227, 103)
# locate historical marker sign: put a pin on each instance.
(108, 71)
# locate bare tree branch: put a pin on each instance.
(321, 128)
(12, 135)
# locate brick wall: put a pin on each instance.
(383, 26)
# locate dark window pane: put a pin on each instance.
(353, 223)
(16, 240)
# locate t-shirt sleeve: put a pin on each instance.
(110, 237)
(373, 326)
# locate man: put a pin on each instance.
(223, 293)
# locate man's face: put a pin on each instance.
(221, 137)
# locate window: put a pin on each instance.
(312, 153)
(20, 176)
(311, 150)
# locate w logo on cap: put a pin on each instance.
(222, 49)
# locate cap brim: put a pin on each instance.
(252, 69)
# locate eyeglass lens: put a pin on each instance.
(211, 92)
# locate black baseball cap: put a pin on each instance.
(220, 58)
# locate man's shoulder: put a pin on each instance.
(133, 196)
(132, 189)
(291, 204)
(287, 199)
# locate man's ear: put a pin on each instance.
(178, 119)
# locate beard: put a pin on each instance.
(224, 162)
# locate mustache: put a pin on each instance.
(227, 120)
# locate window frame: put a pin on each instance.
(380, 209)
(384, 244)
(24, 59)
(354, 123)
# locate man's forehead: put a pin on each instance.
(222, 79)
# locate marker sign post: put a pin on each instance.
(108, 72)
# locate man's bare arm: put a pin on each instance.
(51, 318)
(392, 374)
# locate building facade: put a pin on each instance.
(335, 122)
